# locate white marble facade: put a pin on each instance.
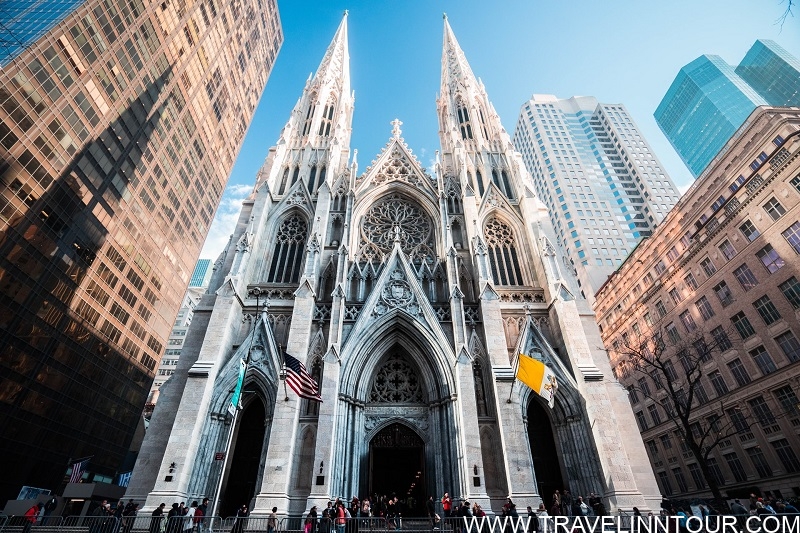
(408, 296)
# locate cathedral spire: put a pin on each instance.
(335, 65)
(455, 68)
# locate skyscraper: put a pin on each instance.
(709, 99)
(25, 21)
(604, 187)
(201, 274)
(120, 121)
(408, 296)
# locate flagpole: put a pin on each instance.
(257, 292)
(514, 381)
(283, 374)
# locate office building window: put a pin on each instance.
(708, 267)
(769, 313)
(653, 410)
(789, 345)
(724, 294)
(704, 307)
(792, 236)
(718, 382)
(786, 454)
(688, 321)
(675, 295)
(763, 360)
(690, 281)
(739, 372)
(641, 420)
(774, 209)
(644, 386)
(721, 339)
(759, 461)
(749, 231)
(788, 399)
(745, 277)
(736, 467)
(666, 486)
(761, 411)
(697, 476)
(770, 258)
(742, 325)
(791, 289)
(680, 479)
(727, 249)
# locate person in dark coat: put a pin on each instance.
(241, 516)
(158, 515)
(174, 519)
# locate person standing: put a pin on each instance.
(272, 520)
(202, 512)
(447, 505)
(241, 516)
(430, 508)
(188, 518)
(157, 517)
(31, 515)
(566, 503)
(341, 516)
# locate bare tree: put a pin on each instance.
(681, 395)
(786, 13)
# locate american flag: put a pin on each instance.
(300, 380)
(78, 470)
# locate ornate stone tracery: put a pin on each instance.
(396, 382)
(397, 218)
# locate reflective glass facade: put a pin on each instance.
(709, 99)
(24, 21)
(703, 107)
(773, 72)
(201, 274)
(118, 130)
(603, 185)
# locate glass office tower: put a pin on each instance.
(709, 99)
(22, 22)
(773, 72)
(118, 130)
(604, 187)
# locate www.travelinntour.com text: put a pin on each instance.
(636, 524)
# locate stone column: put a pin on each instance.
(275, 485)
(184, 440)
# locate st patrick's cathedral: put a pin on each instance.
(408, 296)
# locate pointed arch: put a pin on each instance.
(284, 181)
(326, 123)
(312, 179)
(464, 124)
(479, 178)
(289, 249)
(312, 106)
(304, 460)
(503, 253)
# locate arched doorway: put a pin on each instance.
(397, 467)
(546, 462)
(241, 485)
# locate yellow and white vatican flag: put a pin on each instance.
(538, 377)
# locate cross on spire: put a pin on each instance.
(396, 123)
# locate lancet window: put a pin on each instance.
(501, 180)
(483, 124)
(309, 118)
(503, 255)
(312, 179)
(327, 121)
(463, 121)
(479, 178)
(287, 256)
(480, 389)
(284, 180)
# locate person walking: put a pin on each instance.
(31, 515)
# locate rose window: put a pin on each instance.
(393, 218)
(396, 382)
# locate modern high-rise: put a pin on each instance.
(118, 129)
(710, 99)
(604, 187)
(711, 299)
(202, 273)
(408, 296)
(25, 21)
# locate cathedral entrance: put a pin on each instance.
(241, 485)
(397, 467)
(546, 462)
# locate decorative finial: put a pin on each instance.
(396, 230)
(396, 128)
(444, 16)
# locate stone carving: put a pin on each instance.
(296, 198)
(397, 294)
(396, 382)
(381, 221)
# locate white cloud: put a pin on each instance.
(225, 220)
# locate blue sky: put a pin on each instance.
(620, 51)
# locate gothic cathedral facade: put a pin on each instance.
(408, 296)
